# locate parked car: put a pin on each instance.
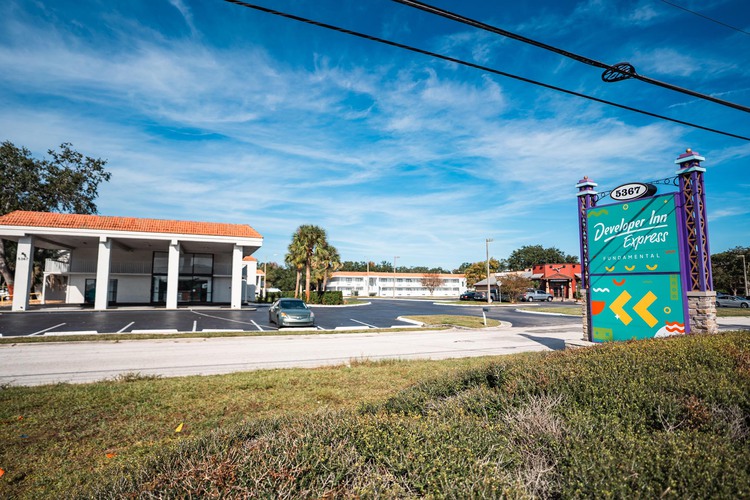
(731, 301)
(291, 312)
(483, 295)
(467, 296)
(532, 295)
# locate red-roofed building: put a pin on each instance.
(149, 261)
(561, 280)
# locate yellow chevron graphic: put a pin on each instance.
(629, 268)
(652, 268)
(641, 308)
(620, 313)
(609, 269)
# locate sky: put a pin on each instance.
(211, 111)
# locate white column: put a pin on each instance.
(173, 274)
(22, 278)
(236, 277)
(102, 274)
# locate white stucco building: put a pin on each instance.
(375, 284)
(124, 260)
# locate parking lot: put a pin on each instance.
(376, 315)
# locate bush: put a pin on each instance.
(329, 298)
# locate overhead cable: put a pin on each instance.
(706, 17)
(612, 73)
(477, 66)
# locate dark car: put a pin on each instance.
(483, 295)
(291, 312)
(467, 296)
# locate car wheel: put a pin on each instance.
(743, 305)
(530, 299)
(549, 299)
(718, 304)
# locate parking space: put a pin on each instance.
(378, 314)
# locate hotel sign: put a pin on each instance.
(634, 261)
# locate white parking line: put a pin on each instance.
(361, 323)
(195, 325)
(46, 330)
(257, 326)
(155, 331)
(126, 327)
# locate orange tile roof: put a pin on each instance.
(78, 221)
(250, 258)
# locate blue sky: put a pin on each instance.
(213, 112)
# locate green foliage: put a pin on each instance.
(531, 255)
(478, 271)
(727, 270)
(663, 417)
(329, 298)
(66, 182)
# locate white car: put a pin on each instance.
(731, 301)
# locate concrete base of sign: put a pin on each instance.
(585, 308)
(702, 312)
(576, 344)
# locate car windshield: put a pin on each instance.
(292, 304)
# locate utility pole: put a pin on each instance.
(394, 276)
(487, 248)
(744, 272)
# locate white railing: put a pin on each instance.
(56, 266)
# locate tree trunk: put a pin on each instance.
(307, 282)
(296, 285)
(4, 269)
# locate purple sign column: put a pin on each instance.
(697, 272)
(586, 199)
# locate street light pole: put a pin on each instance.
(487, 247)
(744, 272)
(394, 276)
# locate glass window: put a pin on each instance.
(203, 263)
(161, 263)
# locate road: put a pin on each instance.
(78, 362)
(377, 314)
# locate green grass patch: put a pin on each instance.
(660, 417)
(55, 439)
(728, 312)
(450, 320)
(567, 310)
(654, 418)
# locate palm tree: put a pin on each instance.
(325, 261)
(295, 258)
(302, 248)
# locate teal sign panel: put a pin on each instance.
(635, 286)
(636, 306)
(637, 236)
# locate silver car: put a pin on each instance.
(291, 312)
(731, 301)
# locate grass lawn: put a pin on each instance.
(451, 320)
(654, 418)
(56, 439)
(567, 310)
(727, 312)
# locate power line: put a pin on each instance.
(705, 17)
(477, 66)
(612, 73)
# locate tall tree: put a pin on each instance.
(67, 182)
(305, 240)
(727, 270)
(530, 255)
(295, 259)
(478, 271)
(326, 260)
(514, 285)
